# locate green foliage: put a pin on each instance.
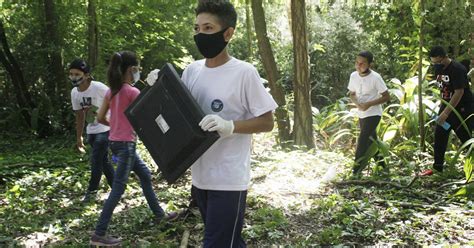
(266, 223)
(285, 205)
(398, 129)
(393, 29)
(440, 17)
(336, 124)
(466, 191)
(241, 47)
(41, 199)
(279, 35)
(335, 39)
(24, 154)
(157, 31)
(292, 201)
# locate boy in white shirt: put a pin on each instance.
(230, 92)
(367, 91)
(86, 98)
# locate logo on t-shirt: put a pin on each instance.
(86, 102)
(217, 105)
(444, 84)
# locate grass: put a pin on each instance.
(295, 200)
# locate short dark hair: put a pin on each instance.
(223, 9)
(368, 55)
(80, 64)
(437, 51)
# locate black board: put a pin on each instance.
(165, 117)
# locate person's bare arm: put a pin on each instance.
(101, 115)
(353, 97)
(263, 123)
(80, 117)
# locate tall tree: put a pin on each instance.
(303, 121)
(28, 107)
(269, 63)
(421, 112)
(10, 64)
(55, 81)
(93, 33)
(248, 25)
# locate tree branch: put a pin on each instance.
(412, 205)
(371, 183)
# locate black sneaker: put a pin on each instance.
(105, 240)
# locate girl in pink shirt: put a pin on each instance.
(122, 72)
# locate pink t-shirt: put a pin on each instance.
(120, 128)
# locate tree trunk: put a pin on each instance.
(303, 120)
(22, 94)
(56, 80)
(421, 111)
(248, 25)
(269, 63)
(93, 33)
(458, 8)
(57, 86)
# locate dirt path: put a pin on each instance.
(292, 178)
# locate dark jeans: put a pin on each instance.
(128, 160)
(223, 216)
(442, 135)
(367, 136)
(100, 160)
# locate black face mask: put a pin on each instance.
(438, 68)
(210, 45)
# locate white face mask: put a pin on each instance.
(76, 81)
(136, 76)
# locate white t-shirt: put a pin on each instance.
(233, 91)
(367, 88)
(90, 101)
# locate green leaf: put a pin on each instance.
(15, 189)
(467, 191)
(319, 47)
(390, 134)
(468, 168)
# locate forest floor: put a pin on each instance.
(296, 199)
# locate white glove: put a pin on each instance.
(213, 123)
(152, 77)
